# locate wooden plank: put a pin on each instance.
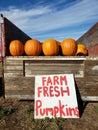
(1, 86)
(23, 88)
(13, 68)
(51, 61)
(90, 98)
(76, 74)
(28, 96)
(46, 58)
(10, 62)
(20, 95)
(13, 74)
(22, 83)
(34, 68)
(19, 88)
(91, 68)
(0, 69)
(87, 86)
(19, 77)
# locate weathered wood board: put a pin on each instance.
(0, 69)
(20, 72)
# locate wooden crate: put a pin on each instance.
(20, 72)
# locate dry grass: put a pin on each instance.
(18, 115)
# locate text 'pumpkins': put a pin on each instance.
(68, 47)
(50, 47)
(16, 48)
(33, 47)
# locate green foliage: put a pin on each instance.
(28, 111)
(43, 124)
(96, 109)
(5, 111)
(48, 124)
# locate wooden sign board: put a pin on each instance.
(55, 96)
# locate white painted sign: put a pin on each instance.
(55, 96)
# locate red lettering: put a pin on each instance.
(45, 91)
(77, 112)
(67, 110)
(38, 105)
(61, 107)
(63, 79)
(43, 81)
(61, 110)
(74, 111)
(57, 94)
(39, 91)
(56, 82)
(49, 81)
(51, 91)
(49, 110)
(71, 111)
(42, 112)
(56, 110)
(65, 91)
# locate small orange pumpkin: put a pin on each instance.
(16, 48)
(81, 50)
(50, 47)
(68, 47)
(33, 47)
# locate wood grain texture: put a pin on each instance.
(20, 72)
(91, 68)
(25, 86)
(50, 67)
(0, 69)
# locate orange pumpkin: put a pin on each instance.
(68, 47)
(50, 47)
(32, 47)
(81, 50)
(16, 48)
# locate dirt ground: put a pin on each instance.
(18, 115)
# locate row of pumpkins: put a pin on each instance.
(50, 47)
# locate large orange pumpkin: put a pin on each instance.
(16, 48)
(81, 50)
(68, 47)
(32, 47)
(50, 47)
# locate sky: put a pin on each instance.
(57, 19)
